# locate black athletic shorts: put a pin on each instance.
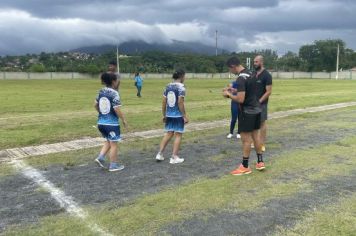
(249, 122)
(264, 113)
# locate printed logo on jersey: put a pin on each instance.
(104, 105)
(171, 99)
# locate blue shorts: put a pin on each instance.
(110, 132)
(175, 124)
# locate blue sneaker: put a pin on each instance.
(115, 167)
(100, 162)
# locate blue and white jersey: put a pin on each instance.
(172, 93)
(108, 99)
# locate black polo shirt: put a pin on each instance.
(263, 79)
(247, 84)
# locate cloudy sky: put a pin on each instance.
(31, 26)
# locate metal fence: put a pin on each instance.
(74, 75)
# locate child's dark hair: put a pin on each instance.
(113, 62)
(108, 78)
(137, 74)
(178, 74)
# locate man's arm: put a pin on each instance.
(240, 97)
(266, 94)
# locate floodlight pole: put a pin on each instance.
(117, 58)
(337, 62)
(216, 43)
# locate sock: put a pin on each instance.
(245, 162)
(101, 157)
(259, 158)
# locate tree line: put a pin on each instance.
(318, 56)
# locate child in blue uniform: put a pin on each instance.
(138, 84)
(174, 116)
(108, 105)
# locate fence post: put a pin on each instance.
(311, 74)
(28, 75)
(293, 75)
(350, 74)
(4, 75)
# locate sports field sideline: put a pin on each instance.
(308, 188)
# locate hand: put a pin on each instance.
(124, 122)
(226, 93)
(186, 120)
(164, 119)
(233, 90)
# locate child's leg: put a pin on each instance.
(113, 152)
(104, 150)
(167, 137)
(176, 144)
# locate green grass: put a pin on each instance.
(337, 219)
(227, 193)
(46, 111)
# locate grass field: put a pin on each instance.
(308, 187)
(47, 111)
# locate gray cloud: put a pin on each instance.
(40, 25)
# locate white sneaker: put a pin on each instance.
(159, 157)
(229, 136)
(238, 136)
(176, 160)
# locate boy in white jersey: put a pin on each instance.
(174, 116)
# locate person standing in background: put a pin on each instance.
(264, 90)
(112, 68)
(138, 84)
(234, 112)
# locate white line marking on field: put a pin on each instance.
(8, 154)
(64, 201)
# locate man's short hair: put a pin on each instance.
(233, 61)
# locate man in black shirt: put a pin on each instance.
(264, 90)
(250, 116)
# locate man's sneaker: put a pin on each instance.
(260, 166)
(238, 136)
(241, 171)
(100, 162)
(229, 136)
(116, 167)
(263, 148)
(159, 157)
(176, 160)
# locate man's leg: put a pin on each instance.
(263, 132)
(246, 149)
(246, 143)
